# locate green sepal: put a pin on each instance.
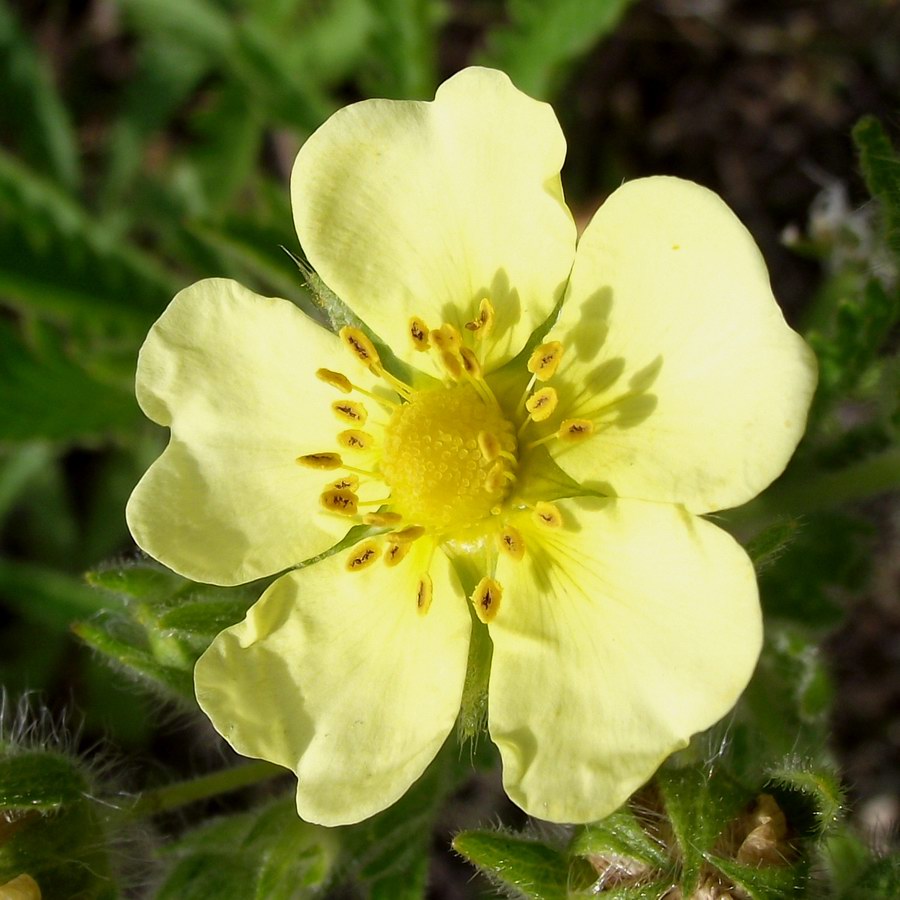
(810, 795)
(527, 866)
(767, 547)
(774, 882)
(39, 781)
(620, 835)
(265, 854)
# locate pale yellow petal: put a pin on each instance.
(620, 635)
(411, 208)
(339, 677)
(676, 348)
(232, 374)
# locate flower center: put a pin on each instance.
(448, 458)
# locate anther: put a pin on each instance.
(511, 542)
(341, 501)
(408, 535)
(354, 439)
(573, 430)
(452, 364)
(320, 460)
(489, 445)
(447, 337)
(484, 321)
(335, 379)
(347, 483)
(418, 332)
(361, 347)
(547, 514)
(362, 556)
(423, 594)
(496, 478)
(486, 599)
(382, 518)
(395, 553)
(470, 362)
(545, 360)
(541, 404)
(350, 411)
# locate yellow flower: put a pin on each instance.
(536, 470)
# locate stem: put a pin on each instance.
(162, 799)
(801, 493)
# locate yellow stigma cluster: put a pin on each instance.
(445, 456)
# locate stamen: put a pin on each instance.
(354, 439)
(511, 542)
(362, 556)
(350, 411)
(382, 518)
(423, 594)
(335, 379)
(447, 337)
(361, 347)
(340, 500)
(395, 553)
(573, 430)
(483, 323)
(547, 514)
(542, 404)
(320, 461)
(545, 360)
(347, 483)
(496, 478)
(451, 363)
(486, 599)
(418, 332)
(408, 535)
(470, 362)
(489, 445)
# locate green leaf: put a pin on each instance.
(265, 854)
(763, 882)
(544, 37)
(32, 106)
(41, 781)
(880, 881)
(405, 44)
(621, 835)
(46, 394)
(530, 868)
(61, 263)
(881, 169)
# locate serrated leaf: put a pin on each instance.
(620, 835)
(544, 37)
(530, 868)
(39, 781)
(32, 107)
(47, 395)
(699, 805)
(265, 854)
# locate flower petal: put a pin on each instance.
(410, 208)
(672, 333)
(337, 676)
(619, 636)
(233, 376)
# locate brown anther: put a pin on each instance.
(545, 360)
(347, 483)
(357, 342)
(542, 404)
(344, 502)
(423, 594)
(489, 445)
(418, 332)
(320, 461)
(511, 542)
(547, 514)
(470, 362)
(382, 518)
(335, 379)
(573, 430)
(407, 535)
(354, 439)
(350, 411)
(395, 553)
(486, 599)
(362, 556)
(483, 323)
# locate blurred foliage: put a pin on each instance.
(145, 144)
